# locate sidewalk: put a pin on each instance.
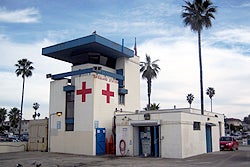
(216, 159)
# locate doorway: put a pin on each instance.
(209, 138)
(149, 141)
(100, 141)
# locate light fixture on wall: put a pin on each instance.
(59, 114)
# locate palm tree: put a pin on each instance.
(153, 106)
(149, 70)
(14, 117)
(198, 15)
(3, 113)
(35, 107)
(24, 68)
(210, 93)
(190, 98)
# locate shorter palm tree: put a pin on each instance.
(35, 107)
(14, 117)
(152, 106)
(210, 92)
(149, 70)
(190, 99)
(3, 115)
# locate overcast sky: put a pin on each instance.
(29, 25)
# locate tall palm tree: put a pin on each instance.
(210, 93)
(3, 115)
(14, 117)
(24, 68)
(35, 107)
(149, 70)
(190, 99)
(198, 15)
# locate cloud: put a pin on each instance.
(36, 86)
(28, 15)
(234, 35)
(224, 65)
(144, 20)
(154, 10)
(247, 4)
(226, 70)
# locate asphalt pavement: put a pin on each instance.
(239, 158)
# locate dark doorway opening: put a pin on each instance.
(149, 141)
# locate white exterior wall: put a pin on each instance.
(131, 71)
(126, 134)
(83, 118)
(95, 111)
(79, 141)
(132, 83)
(56, 104)
(193, 141)
(177, 137)
(171, 137)
(103, 111)
(95, 108)
(74, 142)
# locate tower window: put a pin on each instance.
(121, 99)
(69, 117)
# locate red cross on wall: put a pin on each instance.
(84, 91)
(108, 93)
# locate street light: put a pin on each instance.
(50, 115)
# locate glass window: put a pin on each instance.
(197, 126)
(70, 98)
(69, 127)
(226, 139)
(121, 99)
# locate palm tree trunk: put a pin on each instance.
(21, 113)
(211, 104)
(201, 79)
(149, 92)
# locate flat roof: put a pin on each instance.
(73, 51)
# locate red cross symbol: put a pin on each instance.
(107, 93)
(84, 91)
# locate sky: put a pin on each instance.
(27, 26)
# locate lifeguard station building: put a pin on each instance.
(105, 77)
(100, 96)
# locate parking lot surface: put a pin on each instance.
(240, 158)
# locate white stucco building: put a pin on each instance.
(100, 101)
(173, 133)
(105, 77)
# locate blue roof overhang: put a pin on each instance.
(73, 51)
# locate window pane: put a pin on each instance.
(197, 126)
